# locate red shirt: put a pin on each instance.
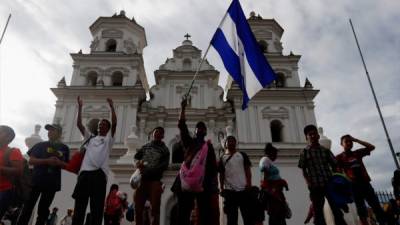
(353, 166)
(15, 155)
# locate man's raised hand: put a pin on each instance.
(110, 102)
(184, 103)
(79, 100)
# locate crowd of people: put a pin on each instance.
(202, 179)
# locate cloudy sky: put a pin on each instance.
(34, 56)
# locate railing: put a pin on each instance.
(384, 196)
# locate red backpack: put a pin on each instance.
(113, 205)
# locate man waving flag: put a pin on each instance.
(241, 54)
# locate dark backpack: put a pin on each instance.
(22, 185)
(130, 213)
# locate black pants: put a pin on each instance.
(365, 192)
(112, 219)
(46, 198)
(318, 196)
(235, 200)
(276, 220)
(5, 201)
(207, 204)
(276, 210)
(91, 185)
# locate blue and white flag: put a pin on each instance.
(241, 54)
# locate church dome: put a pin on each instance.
(186, 57)
(187, 42)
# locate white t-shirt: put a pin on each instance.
(235, 175)
(97, 153)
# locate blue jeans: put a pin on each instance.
(5, 201)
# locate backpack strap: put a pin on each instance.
(82, 147)
(7, 161)
(6, 157)
(227, 160)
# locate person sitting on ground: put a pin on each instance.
(350, 161)
(153, 160)
(8, 170)
(47, 158)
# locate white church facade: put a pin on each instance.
(114, 68)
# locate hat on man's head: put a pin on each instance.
(53, 126)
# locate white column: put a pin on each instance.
(294, 125)
(132, 142)
(76, 80)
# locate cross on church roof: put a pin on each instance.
(187, 36)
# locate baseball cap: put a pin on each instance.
(53, 126)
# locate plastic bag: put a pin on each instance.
(130, 213)
(135, 179)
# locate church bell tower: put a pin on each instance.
(114, 69)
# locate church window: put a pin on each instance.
(276, 131)
(111, 45)
(92, 78)
(187, 64)
(263, 46)
(280, 80)
(117, 79)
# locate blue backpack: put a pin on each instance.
(339, 188)
(130, 213)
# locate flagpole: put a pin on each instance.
(1, 39)
(376, 100)
(202, 60)
(5, 28)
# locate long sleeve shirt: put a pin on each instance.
(191, 147)
(156, 156)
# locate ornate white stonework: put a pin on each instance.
(114, 68)
(34, 138)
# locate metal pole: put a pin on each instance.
(376, 100)
(5, 28)
(202, 60)
(1, 39)
(197, 72)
